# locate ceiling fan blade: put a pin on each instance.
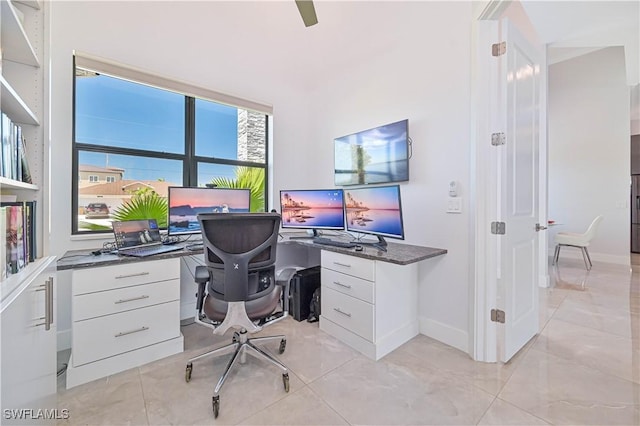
(307, 11)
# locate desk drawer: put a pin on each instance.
(91, 280)
(93, 305)
(353, 286)
(110, 335)
(351, 265)
(348, 312)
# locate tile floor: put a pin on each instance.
(583, 368)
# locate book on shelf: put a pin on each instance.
(26, 172)
(15, 246)
(3, 246)
(28, 211)
(6, 146)
(13, 153)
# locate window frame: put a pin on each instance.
(189, 159)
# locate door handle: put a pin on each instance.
(637, 202)
(540, 227)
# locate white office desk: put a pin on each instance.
(126, 310)
(370, 297)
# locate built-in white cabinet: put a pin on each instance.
(28, 349)
(22, 98)
(123, 316)
(370, 305)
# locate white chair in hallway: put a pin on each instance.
(580, 241)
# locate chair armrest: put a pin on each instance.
(202, 274)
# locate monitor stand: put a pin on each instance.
(381, 244)
(314, 234)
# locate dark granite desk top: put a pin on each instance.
(400, 254)
(76, 259)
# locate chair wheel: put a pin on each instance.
(187, 373)
(216, 405)
(283, 345)
(285, 381)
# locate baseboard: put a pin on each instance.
(574, 253)
(63, 339)
(544, 281)
(444, 333)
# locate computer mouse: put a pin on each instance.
(359, 248)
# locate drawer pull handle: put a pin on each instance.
(144, 296)
(340, 311)
(41, 323)
(342, 285)
(345, 265)
(139, 274)
(47, 287)
(124, 333)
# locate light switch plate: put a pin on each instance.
(454, 205)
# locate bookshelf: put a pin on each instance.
(22, 100)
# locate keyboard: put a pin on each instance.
(149, 251)
(329, 242)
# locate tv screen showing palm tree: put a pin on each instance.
(378, 155)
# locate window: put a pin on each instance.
(137, 134)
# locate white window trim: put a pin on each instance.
(105, 66)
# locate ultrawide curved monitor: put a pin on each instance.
(186, 203)
(374, 210)
(312, 209)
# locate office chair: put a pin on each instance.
(237, 288)
(581, 241)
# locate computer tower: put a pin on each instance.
(301, 289)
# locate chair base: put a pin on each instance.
(583, 249)
(241, 345)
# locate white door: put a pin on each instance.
(519, 192)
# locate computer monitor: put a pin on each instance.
(312, 209)
(185, 204)
(375, 210)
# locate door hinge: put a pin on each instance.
(497, 316)
(498, 228)
(498, 49)
(498, 139)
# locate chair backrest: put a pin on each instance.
(593, 228)
(237, 244)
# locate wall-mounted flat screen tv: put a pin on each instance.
(378, 155)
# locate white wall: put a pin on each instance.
(415, 64)
(635, 110)
(424, 78)
(172, 39)
(589, 150)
